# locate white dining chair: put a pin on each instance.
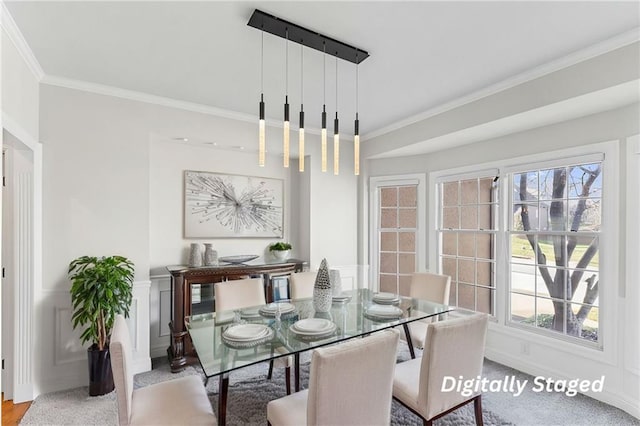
(432, 287)
(349, 384)
(454, 348)
(178, 401)
(238, 294)
(302, 285)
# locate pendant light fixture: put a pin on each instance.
(323, 132)
(314, 40)
(285, 140)
(336, 133)
(356, 131)
(301, 131)
(261, 124)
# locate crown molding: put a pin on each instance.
(16, 37)
(133, 95)
(574, 58)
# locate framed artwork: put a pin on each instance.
(226, 206)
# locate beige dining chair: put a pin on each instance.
(454, 348)
(302, 285)
(178, 401)
(349, 384)
(427, 286)
(238, 294)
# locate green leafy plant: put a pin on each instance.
(101, 289)
(280, 246)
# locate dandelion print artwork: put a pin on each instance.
(218, 205)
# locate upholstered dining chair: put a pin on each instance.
(178, 401)
(454, 348)
(349, 384)
(302, 285)
(238, 294)
(427, 286)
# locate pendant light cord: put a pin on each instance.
(301, 73)
(324, 73)
(357, 82)
(336, 84)
(262, 61)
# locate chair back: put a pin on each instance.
(453, 348)
(120, 352)
(432, 287)
(302, 285)
(237, 294)
(352, 383)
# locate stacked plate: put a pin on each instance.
(342, 298)
(247, 335)
(271, 309)
(313, 328)
(249, 313)
(383, 312)
(385, 298)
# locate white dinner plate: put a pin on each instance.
(313, 325)
(313, 334)
(249, 313)
(246, 332)
(385, 298)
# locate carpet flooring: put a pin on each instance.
(249, 393)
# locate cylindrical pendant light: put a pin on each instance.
(285, 140)
(301, 131)
(323, 132)
(261, 125)
(356, 131)
(336, 133)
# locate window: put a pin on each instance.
(554, 241)
(397, 232)
(467, 234)
(397, 236)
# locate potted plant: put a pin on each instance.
(280, 250)
(101, 289)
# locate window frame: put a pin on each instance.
(460, 177)
(377, 182)
(610, 238)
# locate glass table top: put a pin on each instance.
(356, 316)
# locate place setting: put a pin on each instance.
(272, 309)
(383, 312)
(385, 298)
(313, 328)
(247, 335)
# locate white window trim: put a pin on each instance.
(377, 182)
(610, 236)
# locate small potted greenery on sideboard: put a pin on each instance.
(280, 250)
(101, 288)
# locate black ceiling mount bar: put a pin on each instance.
(280, 27)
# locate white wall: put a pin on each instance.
(545, 356)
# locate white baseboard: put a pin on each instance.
(23, 393)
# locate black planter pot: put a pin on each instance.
(100, 375)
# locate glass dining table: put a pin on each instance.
(355, 313)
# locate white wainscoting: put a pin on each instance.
(62, 358)
(160, 314)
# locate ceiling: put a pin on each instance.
(423, 54)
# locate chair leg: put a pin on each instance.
(427, 422)
(287, 378)
(270, 373)
(477, 406)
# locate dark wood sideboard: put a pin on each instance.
(181, 352)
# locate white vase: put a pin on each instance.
(336, 282)
(195, 255)
(322, 289)
(210, 255)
